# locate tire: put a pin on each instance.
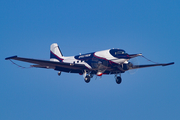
(87, 79)
(118, 80)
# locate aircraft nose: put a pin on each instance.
(134, 55)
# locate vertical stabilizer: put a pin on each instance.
(55, 53)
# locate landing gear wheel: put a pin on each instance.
(87, 79)
(59, 73)
(118, 80)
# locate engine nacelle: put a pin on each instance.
(127, 66)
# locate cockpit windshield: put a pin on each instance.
(119, 52)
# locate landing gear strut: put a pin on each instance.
(118, 79)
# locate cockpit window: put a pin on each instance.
(119, 52)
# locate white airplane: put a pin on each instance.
(111, 61)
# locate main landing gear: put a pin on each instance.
(87, 76)
(118, 78)
(87, 79)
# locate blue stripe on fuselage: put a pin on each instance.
(52, 55)
(84, 57)
(91, 59)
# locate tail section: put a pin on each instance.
(55, 53)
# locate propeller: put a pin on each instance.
(131, 63)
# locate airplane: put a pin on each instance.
(111, 61)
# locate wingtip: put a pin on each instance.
(168, 64)
(11, 57)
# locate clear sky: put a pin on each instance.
(28, 28)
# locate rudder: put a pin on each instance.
(55, 53)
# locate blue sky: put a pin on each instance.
(28, 28)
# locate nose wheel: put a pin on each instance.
(118, 79)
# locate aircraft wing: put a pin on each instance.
(151, 65)
(66, 67)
